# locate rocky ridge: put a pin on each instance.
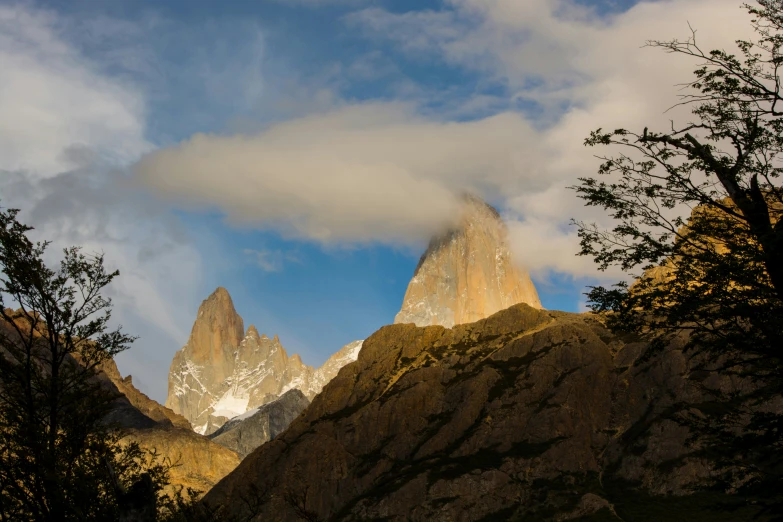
(200, 463)
(467, 274)
(222, 372)
(246, 432)
(526, 415)
(156, 412)
(328, 370)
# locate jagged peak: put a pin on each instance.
(227, 366)
(219, 300)
(467, 272)
(220, 294)
(221, 290)
(252, 331)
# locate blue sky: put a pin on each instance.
(300, 152)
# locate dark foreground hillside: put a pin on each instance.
(199, 462)
(527, 414)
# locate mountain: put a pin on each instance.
(526, 415)
(466, 274)
(246, 432)
(222, 372)
(200, 462)
(327, 372)
(207, 358)
(159, 414)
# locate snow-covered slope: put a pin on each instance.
(246, 432)
(347, 354)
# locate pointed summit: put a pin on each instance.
(252, 331)
(220, 293)
(467, 273)
(223, 371)
(219, 302)
(207, 356)
(217, 329)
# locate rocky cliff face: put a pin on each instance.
(200, 463)
(206, 359)
(526, 415)
(467, 274)
(250, 430)
(222, 372)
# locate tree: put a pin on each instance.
(699, 226)
(59, 459)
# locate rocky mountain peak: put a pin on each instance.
(218, 304)
(252, 332)
(217, 330)
(223, 371)
(467, 273)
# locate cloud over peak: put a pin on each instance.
(384, 172)
(358, 174)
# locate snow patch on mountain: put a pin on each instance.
(230, 405)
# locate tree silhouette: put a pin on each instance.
(59, 459)
(699, 225)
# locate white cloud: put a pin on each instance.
(383, 172)
(554, 49)
(66, 129)
(373, 172)
(555, 52)
(544, 246)
(51, 99)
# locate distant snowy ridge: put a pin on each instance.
(224, 372)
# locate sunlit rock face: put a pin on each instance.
(222, 372)
(347, 354)
(467, 274)
(135, 402)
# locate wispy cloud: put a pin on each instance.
(67, 131)
(53, 100)
(322, 3)
(273, 260)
